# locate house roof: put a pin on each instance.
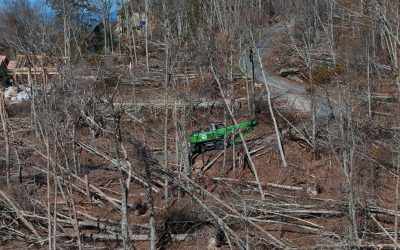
(12, 65)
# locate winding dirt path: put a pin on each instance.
(294, 94)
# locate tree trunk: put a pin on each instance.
(227, 104)
(368, 84)
(150, 206)
(146, 28)
(49, 219)
(4, 121)
(124, 191)
(271, 110)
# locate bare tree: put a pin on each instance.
(4, 121)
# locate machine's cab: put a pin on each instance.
(216, 126)
(213, 127)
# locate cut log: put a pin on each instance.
(211, 163)
(20, 215)
(381, 210)
(286, 187)
(110, 221)
(137, 237)
(386, 232)
(288, 71)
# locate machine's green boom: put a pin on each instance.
(214, 136)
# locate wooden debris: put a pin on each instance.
(286, 187)
(20, 215)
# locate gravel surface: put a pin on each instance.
(294, 94)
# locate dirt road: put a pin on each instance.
(294, 94)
